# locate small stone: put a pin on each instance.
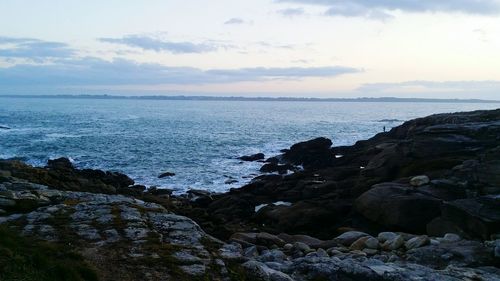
(450, 238)
(251, 252)
(288, 247)
(322, 253)
(301, 246)
(384, 236)
(334, 252)
(419, 181)
(359, 244)
(372, 243)
(370, 252)
(349, 237)
(358, 253)
(272, 256)
(394, 244)
(417, 242)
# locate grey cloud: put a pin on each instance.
(153, 44)
(234, 21)
(290, 12)
(34, 49)
(379, 8)
(94, 71)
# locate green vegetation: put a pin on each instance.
(24, 259)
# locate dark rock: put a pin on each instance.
(478, 217)
(311, 154)
(398, 206)
(251, 158)
(166, 175)
(271, 168)
(60, 164)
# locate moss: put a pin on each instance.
(27, 259)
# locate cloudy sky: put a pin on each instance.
(306, 48)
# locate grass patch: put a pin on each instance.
(25, 259)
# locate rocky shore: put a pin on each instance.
(421, 202)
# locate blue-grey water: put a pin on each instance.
(197, 140)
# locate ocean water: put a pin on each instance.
(197, 140)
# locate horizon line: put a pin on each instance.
(241, 98)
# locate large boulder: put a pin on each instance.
(478, 217)
(398, 206)
(311, 154)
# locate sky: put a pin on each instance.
(268, 48)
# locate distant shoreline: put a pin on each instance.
(236, 98)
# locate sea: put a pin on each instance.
(198, 140)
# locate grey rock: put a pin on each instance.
(450, 238)
(260, 271)
(251, 252)
(272, 256)
(301, 246)
(394, 243)
(349, 237)
(231, 251)
(417, 242)
(372, 243)
(384, 236)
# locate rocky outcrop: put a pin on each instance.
(115, 233)
(418, 171)
(60, 174)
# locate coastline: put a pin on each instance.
(388, 208)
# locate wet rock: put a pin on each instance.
(166, 175)
(253, 157)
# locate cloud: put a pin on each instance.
(290, 12)
(154, 44)
(380, 8)
(33, 49)
(94, 71)
(234, 21)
